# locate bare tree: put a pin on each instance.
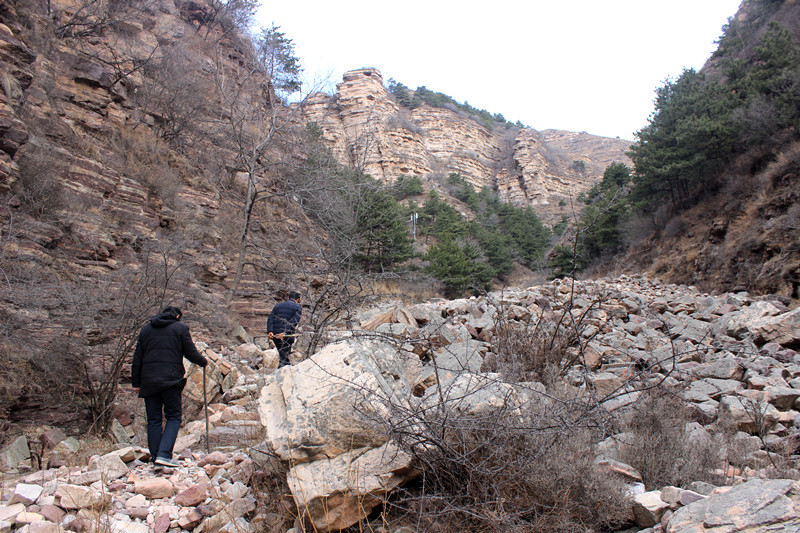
(88, 18)
(255, 118)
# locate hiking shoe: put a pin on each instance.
(166, 462)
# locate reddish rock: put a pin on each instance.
(162, 523)
(192, 496)
(214, 458)
(190, 520)
(53, 513)
(242, 472)
(50, 438)
(124, 416)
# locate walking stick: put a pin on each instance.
(205, 407)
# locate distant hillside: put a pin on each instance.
(368, 128)
(714, 199)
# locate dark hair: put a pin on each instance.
(174, 311)
(294, 295)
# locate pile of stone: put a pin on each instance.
(122, 492)
(728, 355)
(731, 357)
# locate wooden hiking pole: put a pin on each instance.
(205, 407)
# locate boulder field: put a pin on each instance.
(332, 419)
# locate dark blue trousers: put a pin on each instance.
(284, 347)
(160, 439)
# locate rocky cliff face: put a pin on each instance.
(366, 128)
(91, 179)
(120, 189)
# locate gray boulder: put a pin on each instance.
(757, 506)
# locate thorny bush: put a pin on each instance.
(500, 457)
(660, 443)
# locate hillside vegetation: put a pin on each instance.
(712, 197)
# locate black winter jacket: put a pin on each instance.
(284, 318)
(158, 358)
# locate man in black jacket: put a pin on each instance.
(157, 374)
(281, 325)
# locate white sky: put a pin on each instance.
(577, 65)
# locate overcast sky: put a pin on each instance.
(577, 65)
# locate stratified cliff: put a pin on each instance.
(365, 128)
(122, 132)
(138, 169)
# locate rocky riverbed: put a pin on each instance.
(729, 358)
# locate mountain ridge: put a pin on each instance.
(366, 128)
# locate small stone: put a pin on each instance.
(193, 496)
(162, 523)
(8, 513)
(671, 495)
(136, 501)
(110, 466)
(43, 526)
(50, 438)
(214, 458)
(190, 520)
(26, 517)
(154, 488)
(139, 512)
(53, 513)
(648, 508)
(77, 497)
(689, 496)
(16, 452)
(25, 494)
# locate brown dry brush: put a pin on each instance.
(531, 468)
(660, 448)
(517, 467)
(544, 345)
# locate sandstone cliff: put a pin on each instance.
(121, 188)
(365, 128)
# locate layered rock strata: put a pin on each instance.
(366, 129)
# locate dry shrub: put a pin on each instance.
(533, 349)
(498, 471)
(674, 227)
(39, 375)
(661, 448)
(271, 491)
(150, 162)
(541, 346)
(10, 87)
(38, 188)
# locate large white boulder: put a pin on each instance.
(783, 329)
(337, 400)
(337, 493)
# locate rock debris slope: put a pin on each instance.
(730, 358)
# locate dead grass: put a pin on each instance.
(661, 449)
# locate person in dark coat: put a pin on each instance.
(281, 326)
(157, 375)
